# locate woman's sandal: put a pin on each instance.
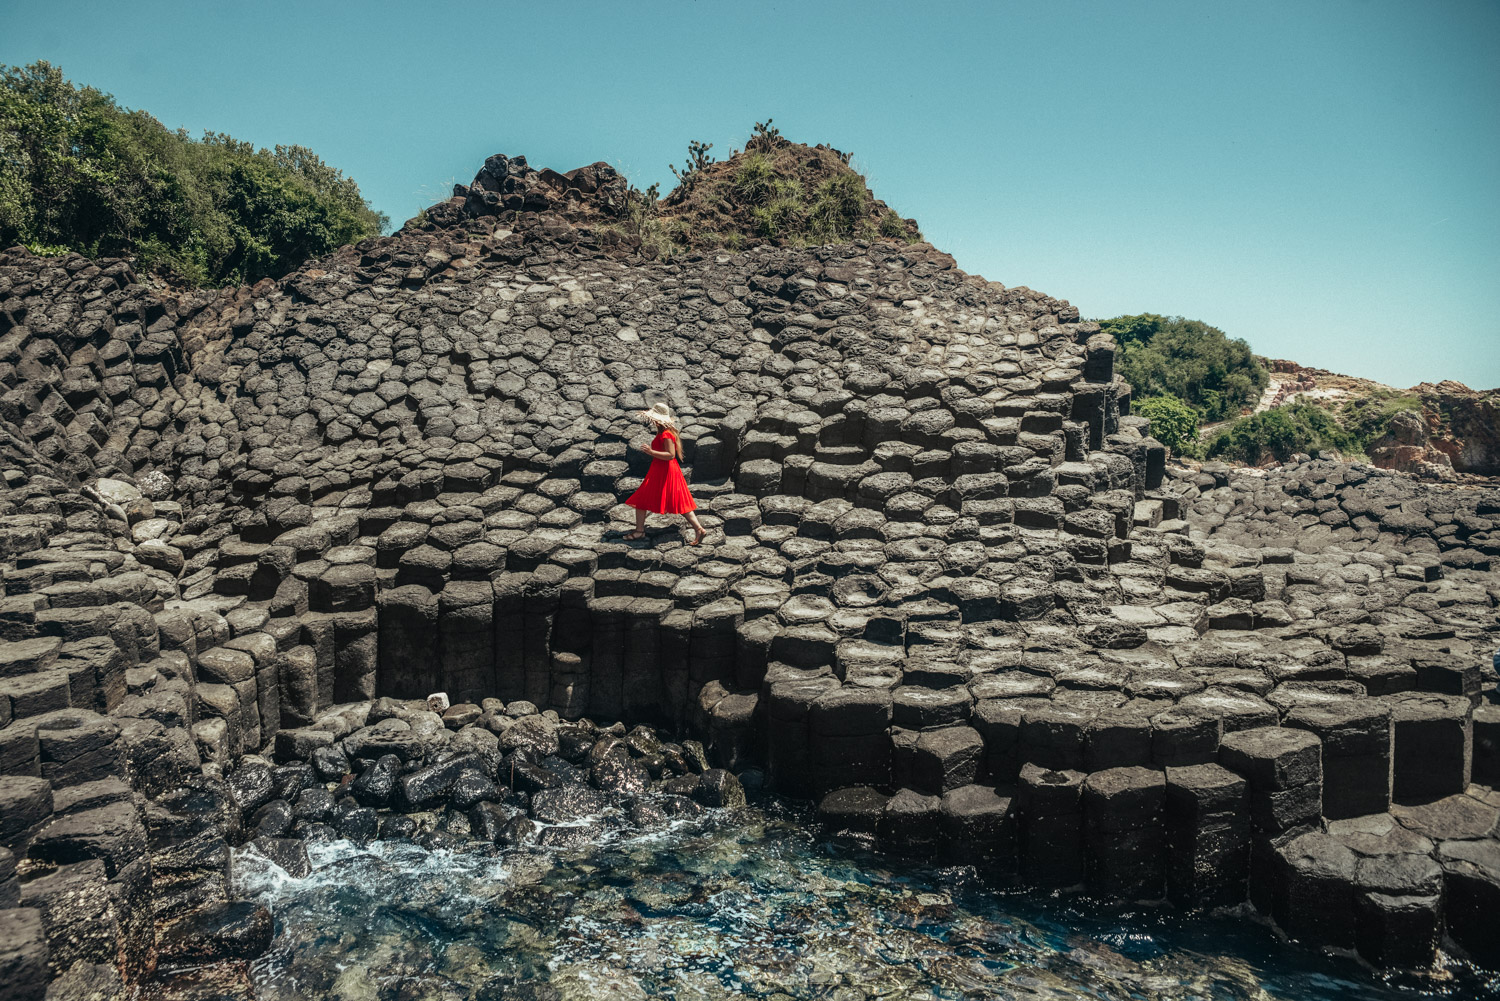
(633, 536)
(701, 533)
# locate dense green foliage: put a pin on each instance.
(1173, 423)
(1188, 359)
(1133, 329)
(80, 173)
(1280, 432)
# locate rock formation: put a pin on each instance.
(1449, 429)
(952, 590)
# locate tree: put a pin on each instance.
(1281, 432)
(1173, 423)
(1197, 363)
(1129, 329)
(80, 173)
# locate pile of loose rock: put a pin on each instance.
(953, 590)
(506, 775)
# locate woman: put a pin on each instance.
(664, 490)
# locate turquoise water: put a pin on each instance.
(750, 904)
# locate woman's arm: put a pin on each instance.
(655, 454)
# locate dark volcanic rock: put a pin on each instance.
(363, 523)
(567, 805)
(719, 788)
(377, 782)
(216, 932)
(288, 853)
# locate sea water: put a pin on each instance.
(750, 903)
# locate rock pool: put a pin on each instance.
(749, 903)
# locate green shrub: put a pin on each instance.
(1130, 329)
(79, 172)
(1369, 417)
(1280, 432)
(1188, 359)
(1173, 423)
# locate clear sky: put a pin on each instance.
(1320, 178)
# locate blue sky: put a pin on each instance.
(1320, 178)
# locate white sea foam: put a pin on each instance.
(339, 862)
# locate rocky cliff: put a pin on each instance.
(1439, 429)
(951, 591)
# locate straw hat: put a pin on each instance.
(660, 415)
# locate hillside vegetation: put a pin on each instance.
(1280, 433)
(80, 173)
(1199, 364)
(773, 191)
(1433, 431)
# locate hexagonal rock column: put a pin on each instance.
(847, 739)
(25, 805)
(1486, 757)
(10, 883)
(509, 637)
(408, 642)
(231, 675)
(1284, 769)
(788, 741)
(1398, 910)
(936, 761)
(643, 694)
(23, 954)
(998, 721)
(77, 915)
(979, 825)
(79, 746)
(1313, 890)
(1050, 828)
(356, 655)
(1471, 891)
(909, 823)
(852, 810)
(1207, 819)
(608, 625)
(712, 641)
(570, 685)
(1122, 809)
(1433, 737)
(1356, 739)
(1054, 736)
(1119, 738)
(541, 599)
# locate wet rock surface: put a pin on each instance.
(952, 591)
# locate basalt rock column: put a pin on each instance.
(948, 571)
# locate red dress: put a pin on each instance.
(664, 490)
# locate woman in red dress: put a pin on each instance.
(664, 490)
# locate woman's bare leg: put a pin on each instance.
(640, 525)
(692, 518)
